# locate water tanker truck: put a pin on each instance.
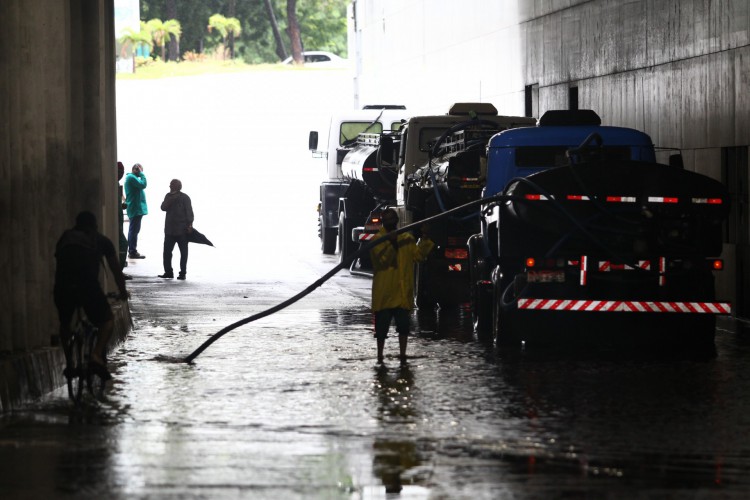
(342, 135)
(591, 239)
(431, 164)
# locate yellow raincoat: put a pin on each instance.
(393, 283)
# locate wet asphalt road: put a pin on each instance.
(294, 405)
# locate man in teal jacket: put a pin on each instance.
(135, 183)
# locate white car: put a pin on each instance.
(320, 58)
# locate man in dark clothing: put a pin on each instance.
(178, 223)
(79, 254)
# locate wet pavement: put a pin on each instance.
(295, 406)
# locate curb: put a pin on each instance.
(29, 375)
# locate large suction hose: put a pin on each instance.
(366, 248)
(342, 265)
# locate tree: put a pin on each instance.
(225, 26)
(323, 25)
(161, 32)
(280, 48)
(232, 12)
(134, 39)
(294, 33)
(265, 28)
(174, 42)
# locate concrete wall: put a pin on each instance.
(57, 150)
(677, 69)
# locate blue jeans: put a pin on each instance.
(133, 230)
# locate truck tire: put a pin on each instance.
(424, 298)
(481, 312)
(327, 238)
(345, 243)
(503, 327)
(481, 305)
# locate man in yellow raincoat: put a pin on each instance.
(393, 283)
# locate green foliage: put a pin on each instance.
(225, 26)
(132, 39)
(161, 31)
(322, 25)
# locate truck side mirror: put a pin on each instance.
(312, 141)
(676, 161)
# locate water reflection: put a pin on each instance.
(394, 388)
(394, 456)
(453, 323)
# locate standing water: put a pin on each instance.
(294, 405)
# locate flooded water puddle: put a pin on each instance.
(295, 406)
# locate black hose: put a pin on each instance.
(366, 248)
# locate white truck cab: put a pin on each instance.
(341, 136)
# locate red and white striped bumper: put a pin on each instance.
(624, 306)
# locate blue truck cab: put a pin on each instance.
(524, 151)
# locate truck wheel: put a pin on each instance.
(481, 306)
(327, 238)
(481, 312)
(424, 298)
(503, 329)
(345, 243)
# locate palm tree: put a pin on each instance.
(133, 38)
(225, 26)
(174, 31)
(161, 31)
(173, 45)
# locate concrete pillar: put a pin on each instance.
(57, 149)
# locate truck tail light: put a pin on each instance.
(707, 201)
(717, 264)
(456, 253)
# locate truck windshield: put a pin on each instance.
(555, 156)
(428, 136)
(350, 130)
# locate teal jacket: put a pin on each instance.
(134, 195)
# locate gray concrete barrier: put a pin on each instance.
(25, 376)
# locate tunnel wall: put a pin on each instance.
(677, 69)
(58, 150)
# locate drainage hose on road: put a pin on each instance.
(366, 248)
(343, 265)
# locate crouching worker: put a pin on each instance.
(79, 254)
(393, 283)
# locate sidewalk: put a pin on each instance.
(28, 375)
